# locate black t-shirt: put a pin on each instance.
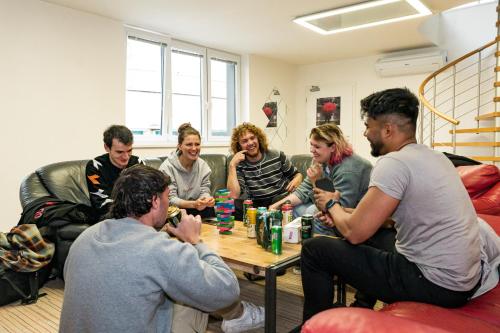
(101, 175)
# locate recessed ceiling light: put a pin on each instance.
(363, 15)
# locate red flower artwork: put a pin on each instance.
(329, 107)
(268, 111)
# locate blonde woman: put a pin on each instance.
(332, 158)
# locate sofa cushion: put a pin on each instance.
(485, 307)
(435, 316)
(31, 188)
(154, 162)
(302, 162)
(478, 178)
(489, 201)
(217, 163)
(66, 181)
(357, 320)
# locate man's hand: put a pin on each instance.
(188, 230)
(325, 218)
(237, 158)
(294, 183)
(314, 172)
(322, 197)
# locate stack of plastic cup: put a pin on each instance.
(224, 208)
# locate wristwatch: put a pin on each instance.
(330, 203)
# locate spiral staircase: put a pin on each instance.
(459, 104)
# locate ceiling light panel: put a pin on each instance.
(363, 15)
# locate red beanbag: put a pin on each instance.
(478, 178)
(489, 201)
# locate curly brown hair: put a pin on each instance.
(240, 130)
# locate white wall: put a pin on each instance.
(62, 83)
(358, 73)
(462, 30)
(264, 75)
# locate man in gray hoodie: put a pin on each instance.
(122, 275)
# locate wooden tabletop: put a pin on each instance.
(243, 253)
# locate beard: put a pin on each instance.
(252, 154)
(376, 148)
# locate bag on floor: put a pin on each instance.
(25, 259)
(16, 286)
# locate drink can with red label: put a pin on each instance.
(246, 204)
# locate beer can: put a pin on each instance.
(246, 204)
(262, 229)
(252, 221)
(287, 212)
(276, 239)
(306, 222)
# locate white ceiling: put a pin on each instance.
(261, 27)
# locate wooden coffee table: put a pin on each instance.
(244, 254)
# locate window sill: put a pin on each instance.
(146, 145)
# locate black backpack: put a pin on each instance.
(53, 212)
(19, 285)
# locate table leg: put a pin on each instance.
(270, 291)
(270, 300)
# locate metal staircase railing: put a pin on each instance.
(462, 93)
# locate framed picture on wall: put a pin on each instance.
(331, 103)
(328, 110)
(270, 109)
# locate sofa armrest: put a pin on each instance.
(71, 231)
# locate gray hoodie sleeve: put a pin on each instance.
(197, 276)
(166, 168)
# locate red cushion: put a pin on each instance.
(485, 307)
(493, 221)
(436, 316)
(478, 178)
(489, 201)
(357, 320)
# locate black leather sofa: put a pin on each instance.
(66, 181)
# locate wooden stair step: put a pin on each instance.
(496, 99)
(476, 130)
(497, 68)
(497, 54)
(496, 84)
(498, 23)
(497, 39)
(490, 115)
(486, 158)
(467, 144)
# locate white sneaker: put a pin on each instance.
(252, 318)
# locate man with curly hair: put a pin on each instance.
(256, 172)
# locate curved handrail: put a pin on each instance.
(433, 75)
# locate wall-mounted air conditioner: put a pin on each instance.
(426, 60)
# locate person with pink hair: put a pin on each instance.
(332, 158)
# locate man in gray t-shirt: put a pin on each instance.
(437, 251)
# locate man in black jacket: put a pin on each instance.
(102, 172)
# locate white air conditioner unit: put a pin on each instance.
(426, 60)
